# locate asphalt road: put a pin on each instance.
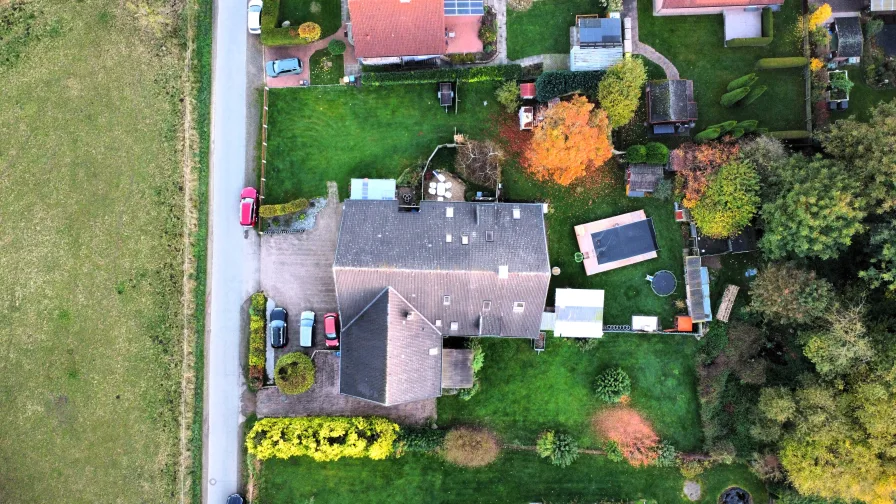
(233, 258)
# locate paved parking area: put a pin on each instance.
(297, 271)
(323, 399)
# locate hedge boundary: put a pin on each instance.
(778, 63)
(790, 134)
(268, 211)
(768, 33)
(273, 36)
(550, 85)
(257, 347)
(474, 74)
(323, 439)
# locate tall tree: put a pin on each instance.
(730, 201)
(619, 92)
(816, 213)
(572, 139)
(841, 345)
(882, 246)
(870, 149)
(694, 164)
(785, 294)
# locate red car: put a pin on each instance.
(330, 329)
(248, 207)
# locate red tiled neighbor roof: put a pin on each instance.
(527, 90)
(703, 4)
(384, 28)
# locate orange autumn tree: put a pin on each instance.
(630, 431)
(572, 139)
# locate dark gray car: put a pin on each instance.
(278, 327)
(276, 68)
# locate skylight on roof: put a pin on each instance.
(464, 8)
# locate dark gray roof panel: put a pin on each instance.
(600, 30)
(671, 100)
(849, 37)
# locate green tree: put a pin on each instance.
(842, 344)
(785, 294)
(777, 404)
(508, 95)
(816, 212)
(612, 385)
(730, 201)
(882, 246)
(619, 92)
(869, 148)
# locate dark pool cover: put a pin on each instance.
(622, 242)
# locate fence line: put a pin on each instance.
(264, 143)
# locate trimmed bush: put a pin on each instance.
(748, 126)
(636, 154)
(309, 32)
(731, 98)
(322, 438)
(666, 456)
(561, 448)
(268, 211)
(553, 84)
(474, 74)
(754, 94)
(790, 134)
(336, 47)
(419, 440)
(778, 63)
(745, 81)
(469, 447)
(724, 127)
(612, 385)
(768, 23)
(294, 373)
(737, 133)
(257, 340)
(657, 153)
(749, 42)
(708, 134)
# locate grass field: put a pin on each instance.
(326, 13)
(544, 28)
(91, 261)
(515, 477)
(524, 393)
(694, 44)
(320, 134)
(326, 68)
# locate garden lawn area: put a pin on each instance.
(523, 393)
(326, 13)
(544, 28)
(695, 45)
(515, 477)
(863, 97)
(627, 291)
(92, 259)
(337, 133)
(326, 68)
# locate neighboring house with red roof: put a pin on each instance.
(396, 31)
(693, 7)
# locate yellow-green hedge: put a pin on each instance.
(293, 206)
(322, 438)
(257, 347)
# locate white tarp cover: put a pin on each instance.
(579, 313)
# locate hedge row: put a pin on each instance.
(790, 134)
(271, 35)
(293, 206)
(257, 347)
(776, 63)
(768, 23)
(553, 84)
(474, 74)
(749, 42)
(322, 438)
(653, 153)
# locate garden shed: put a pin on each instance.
(847, 40)
(579, 313)
(642, 179)
(697, 282)
(671, 103)
(596, 43)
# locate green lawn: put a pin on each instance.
(320, 134)
(523, 393)
(92, 260)
(863, 97)
(326, 68)
(544, 28)
(516, 477)
(694, 44)
(326, 13)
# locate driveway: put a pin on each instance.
(297, 271)
(304, 52)
(323, 399)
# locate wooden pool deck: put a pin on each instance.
(586, 244)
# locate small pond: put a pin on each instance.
(735, 495)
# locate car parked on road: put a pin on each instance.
(289, 66)
(307, 329)
(255, 16)
(330, 320)
(277, 324)
(248, 207)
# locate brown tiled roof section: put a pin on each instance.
(384, 28)
(703, 4)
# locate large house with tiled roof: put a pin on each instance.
(407, 279)
(402, 31)
(695, 7)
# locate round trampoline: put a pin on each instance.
(663, 283)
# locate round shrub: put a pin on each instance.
(309, 32)
(636, 154)
(562, 449)
(336, 47)
(294, 373)
(612, 385)
(666, 456)
(469, 447)
(657, 153)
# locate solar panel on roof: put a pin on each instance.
(464, 8)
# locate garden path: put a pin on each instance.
(500, 7)
(630, 10)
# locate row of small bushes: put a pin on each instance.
(742, 91)
(651, 153)
(474, 74)
(553, 84)
(257, 347)
(778, 63)
(733, 128)
(271, 35)
(293, 206)
(768, 33)
(323, 439)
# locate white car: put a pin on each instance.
(255, 16)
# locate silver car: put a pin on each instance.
(290, 66)
(255, 16)
(307, 329)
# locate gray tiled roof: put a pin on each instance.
(644, 177)
(390, 358)
(457, 368)
(849, 37)
(380, 246)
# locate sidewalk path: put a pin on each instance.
(304, 52)
(500, 7)
(630, 10)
